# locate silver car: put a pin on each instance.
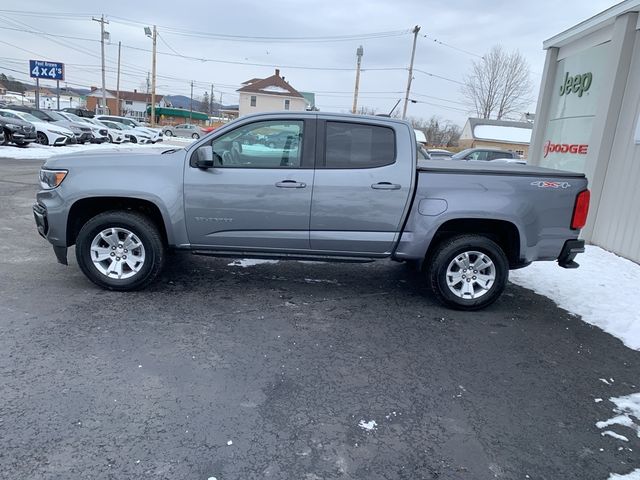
(184, 130)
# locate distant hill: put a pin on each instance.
(182, 101)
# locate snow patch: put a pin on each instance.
(635, 475)
(591, 291)
(44, 152)
(249, 262)
(627, 411)
(368, 426)
(614, 435)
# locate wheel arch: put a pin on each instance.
(84, 209)
(503, 232)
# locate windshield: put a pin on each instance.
(73, 117)
(55, 116)
(461, 154)
(27, 117)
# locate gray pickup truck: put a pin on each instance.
(302, 185)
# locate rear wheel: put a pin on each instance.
(42, 139)
(120, 250)
(167, 133)
(468, 272)
(195, 136)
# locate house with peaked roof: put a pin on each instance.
(268, 95)
(506, 135)
(132, 104)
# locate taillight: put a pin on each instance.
(580, 210)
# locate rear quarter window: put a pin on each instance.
(356, 145)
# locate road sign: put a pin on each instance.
(47, 70)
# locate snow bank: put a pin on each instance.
(249, 262)
(601, 291)
(635, 475)
(44, 152)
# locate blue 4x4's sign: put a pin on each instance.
(48, 70)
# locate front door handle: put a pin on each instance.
(386, 186)
(290, 184)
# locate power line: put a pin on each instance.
(438, 76)
(435, 40)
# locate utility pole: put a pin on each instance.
(153, 79)
(102, 21)
(211, 103)
(118, 82)
(416, 29)
(359, 53)
(191, 104)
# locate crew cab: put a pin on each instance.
(334, 188)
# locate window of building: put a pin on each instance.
(269, 144)
(128, 102)
(287, 103)
(351, 145)
(254, 100)
(520, 152)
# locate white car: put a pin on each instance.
(134, 135)
(115, 135)
(47, 133)
(154, 133)
(100, 134)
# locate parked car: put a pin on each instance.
(114, 135)
(100, 132)
(465, 223)
(484, 154)
(46, 133)
(184, 130)
(518, 161)
(17, 131)
(439, 154)
(155, 134)
(81, 132)
(133, 135)
(80, 112)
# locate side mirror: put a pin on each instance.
(204, 157)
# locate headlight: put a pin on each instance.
(50, 179)
(13, 127)
(76, 130)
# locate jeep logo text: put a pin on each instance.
(576, 84)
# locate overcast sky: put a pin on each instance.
(471, 26)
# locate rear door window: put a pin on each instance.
(356, 145)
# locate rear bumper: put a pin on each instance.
(569, 251)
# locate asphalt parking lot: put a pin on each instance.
(279, 370)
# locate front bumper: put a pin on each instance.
(42, 224)
(569, 251)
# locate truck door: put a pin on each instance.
(362, 185)
(257, 195)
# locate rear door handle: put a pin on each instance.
(290, 184)
(386, 186)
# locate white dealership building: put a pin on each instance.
(588, 120)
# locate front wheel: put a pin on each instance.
(167, 133)
(120, 250)
(195, 136)
(42, 139)
(468, 272)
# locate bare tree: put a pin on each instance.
(498, 84)
(438, 132)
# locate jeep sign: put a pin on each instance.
(576, 84)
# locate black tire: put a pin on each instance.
(134, 139)
(167, 133)
(446, 252)
(142, 227)
(7, 138)
(195, 136)
(110, 139)
(42, 139)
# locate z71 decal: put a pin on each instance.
(547, 184)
